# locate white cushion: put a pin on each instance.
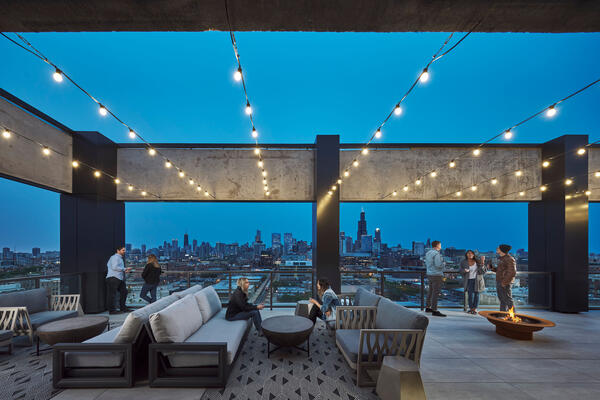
(135, 319)
(176, 322)
(190, 290)
(208, 302)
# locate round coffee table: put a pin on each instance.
(71, 330)
(287, 331)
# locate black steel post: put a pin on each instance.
(382, 287)
(271, 291)
(422, 291)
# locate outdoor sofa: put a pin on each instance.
(376, 327)
(193, 345)
(24, 311)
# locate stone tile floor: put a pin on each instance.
(463, 358)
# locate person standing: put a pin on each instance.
(506, 270)
(435, 273)
(473, 269)
(115, 281)
(239, 308)
(151, 276)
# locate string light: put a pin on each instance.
(97, 174)
(494, 181)
(117, 181)
(102, 110)
(433, 174)
(46, 151)
(508, 134)
(521, 193)
(378, 133)
(588, 192)
(452, 164)
(268, 193)
(237, 75)
(518, 172)
(260, 163)
(568, 197)
(424, 75)
(543, 188)
(57, 75)
(5, 133)
(130, 188)
(339, 181)
(346, 173)
(365, 151)
(151, 151)
(551, 112)
(546, 164)
(181, 174)
(597, 174)
(266, 188)
(264, 181)
(581, 151)
(254, 133)
(75, 164)
(397, 110)
(334, 188)
(355, 163)
(568, 182)
(144, 193)
(206, 194)
(474, 188)
(248, 109)
(191, 181)
(132, 134)
(418, 182)
(394, 193)
(330, 192)
(199, 188)
(264, 173)
(405, 188)
(168, 164)
(458, 194)
(476, 152)
(257, 151)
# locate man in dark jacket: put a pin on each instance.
(240, 309)
(505, 276)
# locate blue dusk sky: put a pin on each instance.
(178, 87)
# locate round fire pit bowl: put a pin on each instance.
(522, 330)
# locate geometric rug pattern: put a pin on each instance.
(291, 374)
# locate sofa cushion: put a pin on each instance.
(135, 319)
(83, 359)
(218, 329)
(393, 316)
(43, 317)
(366, 298)
(176, 322)
(36, 300)
(348, 340)
(190, 290)
(208, 302)
(5, 335)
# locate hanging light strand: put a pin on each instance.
(103, 109)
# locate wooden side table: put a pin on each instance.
(399, 378)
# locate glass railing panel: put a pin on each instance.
(403, 288)
(290, 287)
(352, 280)
(594, 290)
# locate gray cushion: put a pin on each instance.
(191, 290)
(135, 319)
(36, 300)
(41, 318)
(177, 322)
(349, 340)
(365, 298)
(5, 335)
(218, 329)
(208, 302)
(393, 316)
(90, 359)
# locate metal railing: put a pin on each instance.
(68, 283)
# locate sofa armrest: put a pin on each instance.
(406, 343)
(155, 348)
(66, 302)
(355, 317)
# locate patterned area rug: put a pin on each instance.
(291, 374)
(26, 376)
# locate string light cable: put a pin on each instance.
(58, 76)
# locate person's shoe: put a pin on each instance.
(428, 309)
(438, 314)
(474, 312)
(113, 312)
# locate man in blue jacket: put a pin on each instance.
(434, 261)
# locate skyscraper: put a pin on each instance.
(195, 246)
(287, 242)
(418, 248)
(143, 249)
(366, 243)
(377, 235)
(276, 240)
(342, 242)
(348, 244)
(257, 237)
(362, 226)
(35, 252)
(128, 247)
(186, 241)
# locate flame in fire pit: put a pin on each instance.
(511, 316)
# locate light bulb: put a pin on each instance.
(473, 188)
(551, 112)
(546, 164)
(132, 134)
(394, 193)
(264, 181)
(581, 151)
(405, 188)
(494, 181)
(543, 188)
(260, 164)
(433, 174)
(191, 181)
(346, 173)
(476, 152)
(333, 187)
(355, 163)
(398, 110)
(266, 188)
(206, 194)
(568, 197)
(508, 134)
(518, 172)
(418, 182)
(264, 173)
(365, 152)
(75, 164)
(424, 75)
(339, 181)
(181, 174)
(97, 174)
(378, 133)
(248, 109)
(588, 192)
(168, 164)
(597, 174)
(199, 188)
(330, 192)
(102, 110)
(254, 133)
(151, 151)
(130, 188)
(268, 193)
(568, 182)
(57, 75)
(117, 181)
(452, 164)
(521, 193)
(257, 151)
(6, 134)
(46, 151)
(144, 193)
(458, 194)
(237, 75)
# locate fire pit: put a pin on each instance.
(516, 326)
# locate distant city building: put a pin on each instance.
(287, 243)
(186, 241)
(366, 243)
(377, 235)
(6, 253)
(342, 242)
(143, 249)
(35, 252)
(418, 248)
(128, 247)
(257, 237)
(362, 226)
(348, 244)
(195, 247)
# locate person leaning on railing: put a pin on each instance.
(506, 270)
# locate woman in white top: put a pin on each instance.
(473, 269)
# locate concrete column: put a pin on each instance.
(558, 228)
(92, 222)
(326, 211)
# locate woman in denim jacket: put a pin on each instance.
(324, 309)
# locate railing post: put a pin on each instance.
(422, 291)
(271, 290)
(189, 279)
(382, 288)
(229, 274)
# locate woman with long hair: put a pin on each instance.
(472, 268)
(151, 276)
(325, 307)
(240, 309)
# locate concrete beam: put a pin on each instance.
(593, 167)
(301, 15)
(22, 160)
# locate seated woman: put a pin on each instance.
(240, 309)
(325, 308)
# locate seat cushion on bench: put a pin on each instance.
(135, 319)
(43, 317)
(365, 298)
(217, 330)
(36, 300)
(348, 340)
(89, 359)
(208, 302)
(177, 322)
(393, 316)
(190, 290)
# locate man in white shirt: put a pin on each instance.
(115, 281)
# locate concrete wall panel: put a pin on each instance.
(23, 159)
(230, 175)
(593, 180)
